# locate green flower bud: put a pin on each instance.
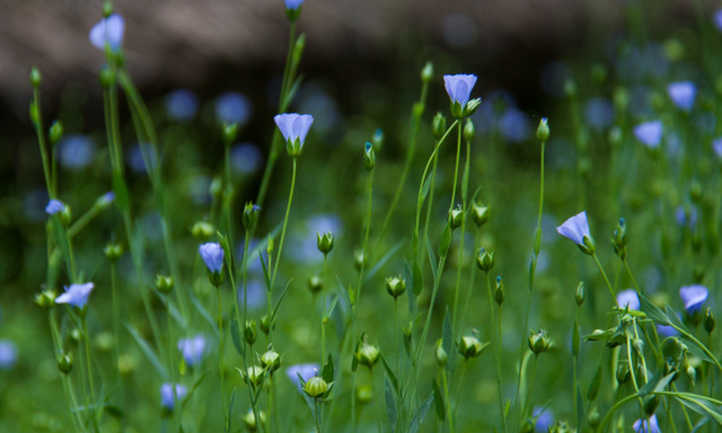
(266, 324)
(315, 284)
(104, 341)
(249, 332)
(438, 125)
(673, 348)
(35, 77)
(709, 321)
(202, 230)
(587, 245)
(579, 295)
(622, 373)
(65, 363)
(479, 213)
(45, 299)
(621, 98)
(456, 217)
(249, 420)
(271, 360)
(619, 240)
(471, 107)
(107, 9)
(66, 215)
(324, 242)
(250, 215)
(34, 112)
(427, 73)
(367, 354)
(126, 364)
(440, 353)
(56, 131)
(539, 342)
(107, 77)
(369, 156)
(396, 286)
(164, 283)
(485, 259)
(253, 375)
(316, 387)
(469, 130)
(561, 426)
(594, 417)
(470, 347)
(230, 132)
(359, 260)
(499, 291)
(364, 394)
(542, 131)
(615, 136)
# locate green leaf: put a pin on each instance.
(391, 411)
(701, 407)
(439, 402)
(447, 341)
(236, 337)
(327, 372)
(656, 385)
(195, 386)
(418, 283)
(377, 267)
(148, 351)
(391, 375)
(594, 385)
(425, 190)
(204, 313)
(280, 299)
(432, 259)
(446, 237)
(420, 414)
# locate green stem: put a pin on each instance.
(88, 365)
(461, 260)
(604, 276)
(283, 229)
(497, 352)
(449, 413)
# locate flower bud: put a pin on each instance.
(594, 417)
(369, 156)
(622, 373)
(35, 77)
(56, 132)
(266, 324)
(499, 291)
(107, 9)
(579, 295)
(427, 73)
(378, 139)
(34, 112)
(271, 360)
(249, 332)
(126, 364)
(621, 98)
(471, 107)
(456, 217)
(113, 251)
(709, 321)
(316, 387)
(470, 347)
(107, 77)
(253, 375)
(250, 215)
(359, 260)
(324, 242)
(367, 354)
(440, 353)
(469, 130)
(485, 260)
(66, 215)
(249, 420)
(395, 286)
(230, 132)
(45, 299)
(479, 213)
(202, 230)
(438, 125)
(542, 131)
(164, 283)
(539, 342)
(619, 240)
(65, 363)
(315, 284)
(364, 394)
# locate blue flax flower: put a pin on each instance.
(575, 228)
(294, 128)
(212, 255)
(8, 354)
(168, 396)
(192, 349)
(717, 147)
(108, 31)
(293, 4)
(181, 104)
(76, 295)
(544, 419)
(628, 299)
(459, 88)
(682, 93)
(54, 206)
(649, 133)
(648, 425)
(693, 297)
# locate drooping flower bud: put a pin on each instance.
(469, 130)
(367, 354)
(369, 156)
(579, 295)
(249, 332)
(427, 73)
(619, 240)
(438, 125)
(65, 363)
(35, 77)
(56, 132)
(317, 387)
(253, 375)
(249, 420)
(395, 286)
(709, 321)
(250, 215)
(271, 360)
(440, 353)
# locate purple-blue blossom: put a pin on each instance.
(575, 228)
(212, 255)
(293, 4)
(168, 397)
(106, 199)
(294, 126)
(306, 371)
(717, 147)
(686, 217)
(648, 425)
(181, 104)
(192, 349)
(665, 331)
(108, 31)
(246, 158)
(649, 133)
(76, 295)
(628, 299)
(599, 113)
(54, 206)
(76, 151)
(8, 354)
(459, 87)
(514, 125)
(682, 93)
(693, 297)
(233, 107)
(544, 419)
(718, 19)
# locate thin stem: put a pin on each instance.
(91, 382)
(285, 224)
(449, 413)
(497, 352)
(604, 276)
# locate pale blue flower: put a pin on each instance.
(212, 255)
(54, 206)
(192, 349)
(76, 151)
(459, 87)
(717, 147)
(544, 419)
(306, 371)
(682, 93)
(718, 19)
(233, 107)
(255, 295)
(693, 297)
(686, 217)
(648, 425)
(649, 133)
(665, 331)
(137, 160)
(181, 104)
(168, 397)
(293, 4)
(108, 31)
(628, 299)
(514, 125)
(294, 126)
(246, 158)
(575, 228)
(76, 295)
(8, 354)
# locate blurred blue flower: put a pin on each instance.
(293, 4)
(459, 87)
(544, 419)
(693, 297)
(192, 349)
(181, 104)
(649, 425)
(168, 396)
(294, 126)
(686, 216)
(487, 116)
(256, 294)
(233, 107)
(8, 354)
(304, 248)
(306, 371)
(76, 295)
(718, 19)
(628, 299)
(514, 125)
(245, 158)
(137, 160)
(108, 31)
(717, 147)
(314, 99)
(649, 133)
(682, 93)
(599, 113)
(665, 331)
(575, 228)
(76, 151)
(637, 63)
(54, 206)
(212, 255)
(106, 199)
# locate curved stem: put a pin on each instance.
(285, 224)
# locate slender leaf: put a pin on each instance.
(420, 414)
(148, 351)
